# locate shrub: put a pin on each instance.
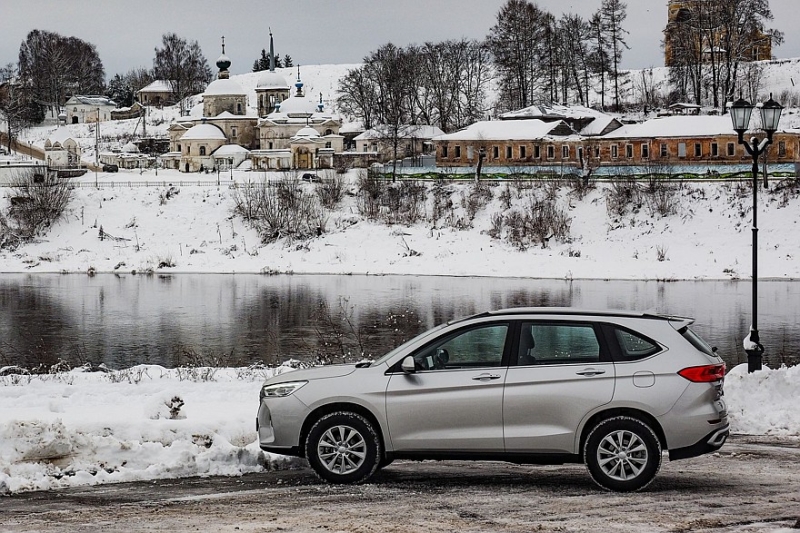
(35, 205)
(278, 211)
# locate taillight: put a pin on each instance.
(704, 374)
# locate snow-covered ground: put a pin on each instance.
(193, 228)
(148, 422)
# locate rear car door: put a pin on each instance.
(560, 372)
(454, 400)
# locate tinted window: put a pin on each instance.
(634, 346)
(547, 344)
(696, 341)
(477, 347)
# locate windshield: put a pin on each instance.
(406, 344)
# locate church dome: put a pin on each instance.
(308, 132)
(224, 87)
(203, 132)
(130, 148)
(223, 62)
(272, 80)
(298, 106)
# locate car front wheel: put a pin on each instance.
(343, 447)
(622, 454)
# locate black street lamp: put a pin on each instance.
(741, 110)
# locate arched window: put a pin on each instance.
(202, 150)
(329, 132)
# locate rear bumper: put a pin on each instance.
(708, 444)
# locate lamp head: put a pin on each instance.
(770, 115)
(740, 110)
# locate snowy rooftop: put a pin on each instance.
(158, 86)
(677, 126)
(224, 87)
(92, 101)
(410, 131)
(203, 132)
(502, 130)
(230, 149)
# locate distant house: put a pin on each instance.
(61, 150)
(81, 109)
(159, 93)
(125, 113)
(413, 140)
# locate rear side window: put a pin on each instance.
(696, 341)
(634, 346)
(548, 344)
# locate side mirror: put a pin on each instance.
(408, 365)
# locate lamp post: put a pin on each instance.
(741, 110)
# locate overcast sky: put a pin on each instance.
(311, 31)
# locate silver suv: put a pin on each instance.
(536, 386)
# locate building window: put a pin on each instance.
(270, 146)
(523, 153)
(188, 150)
(233, 132)
(714, 150)
(597, 152)
(458, 152)
(551, 152)
(579, 152)
(202, 150)
(537, 152)
(496, 152)
(781, 149)
(238, 109)
(508, 152)
(629, 151)
(645, 151)
(664, 150)
(329, 132)
(470, 152)
(614, 151)
(681, 150)
(179, 147)
(698, 150)
(565, 152)
(328, 145)
(444, 150)
(731, 149)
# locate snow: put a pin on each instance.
(224, 87)
(204, 132)
(148, 422)
(503, 130)
(708, 237)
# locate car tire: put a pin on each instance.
(343, 447)
(622, 454)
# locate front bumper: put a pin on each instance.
(279, 423)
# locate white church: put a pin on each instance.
(288, 131)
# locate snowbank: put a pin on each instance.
(147, 422)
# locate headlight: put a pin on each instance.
(281, 389)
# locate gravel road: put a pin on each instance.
(752, 484)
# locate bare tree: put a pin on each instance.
(183, 65)
(54, 67)
(613, 14)
(517, 41)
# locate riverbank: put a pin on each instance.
(190, 228)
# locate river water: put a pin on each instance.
(235, 319)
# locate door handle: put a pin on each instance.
(486, 377)
(589, 372)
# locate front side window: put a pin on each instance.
(565, 152)
(698, 150)
(548, 344)
(444, 150)
(629, 151)
(495, 152)
(551, 151)
(458, 152)
(522, 152)
(781, 149)
(537, 152)
(731, 149)
(508, 152)
(614, 151)
(681, 149)
(645, 151)
(664, 150)
(477, 347)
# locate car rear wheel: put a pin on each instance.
(622, 454)
(343, 447)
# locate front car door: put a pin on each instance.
(454, 400)
(560, 372)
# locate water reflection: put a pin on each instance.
(243, 319)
